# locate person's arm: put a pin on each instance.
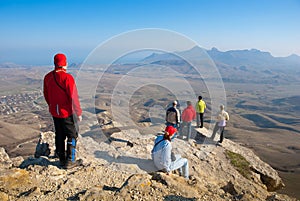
(227, 116)
(194, 113)
(167, 114)
(73, 95)
(183, 115)
(166, 157)
(45, 91)
(197, 106)
(178, 116)
(219, 116)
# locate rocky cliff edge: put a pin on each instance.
(120, 168)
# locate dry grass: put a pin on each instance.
(239, 163)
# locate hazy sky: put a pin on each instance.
(32, 31)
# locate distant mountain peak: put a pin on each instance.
(254, 50)
(195, 48)
(294, 56)
(214, 49)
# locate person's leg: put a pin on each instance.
(60, 137)
(185, 168)
(182, 127)
(216, 128)
(177, 157)
(181, 163)
(71, 131)
(180, 132)
(222, 128)
(198, 119)
(189, 128)
(201, 119)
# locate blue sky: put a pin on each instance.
(32, 31)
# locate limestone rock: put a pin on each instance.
(4, 196)
(5, 161)
(17, 161)
(268, 175)
(112, 170)
(14, 180)
(45, 145)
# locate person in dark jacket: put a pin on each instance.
(173, 116)
(61, 95)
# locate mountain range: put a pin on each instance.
(243, 59)
(235, 66)
(252, 58)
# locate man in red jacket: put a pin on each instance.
(188, 115)
(61, 95)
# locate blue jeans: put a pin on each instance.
(181, 164)
(189, 129)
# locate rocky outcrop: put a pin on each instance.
(114, 169)
(264, 171)
(260, 170)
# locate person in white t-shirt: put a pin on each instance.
(222, 119)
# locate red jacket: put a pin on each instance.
(62, 101)
(188, 114)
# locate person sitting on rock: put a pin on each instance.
(162, 151)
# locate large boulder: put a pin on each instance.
(268, 175)
(5, 161)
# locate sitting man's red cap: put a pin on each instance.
(60, 60)
(170, 130)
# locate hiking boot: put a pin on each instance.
(219, 144)
(129, 144)
(191, 180)
(69, 164)
(62, 163)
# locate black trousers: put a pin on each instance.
(199, 119)
(65, 128)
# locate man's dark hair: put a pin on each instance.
(200, 97)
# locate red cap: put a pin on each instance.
(60, 60)
(171, 130)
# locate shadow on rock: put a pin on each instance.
(41, 161)
(144, 164)
(178, 198)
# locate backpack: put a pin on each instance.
(171, 116)
(41, 149)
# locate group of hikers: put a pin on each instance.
(61, 95)
(161, 153)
